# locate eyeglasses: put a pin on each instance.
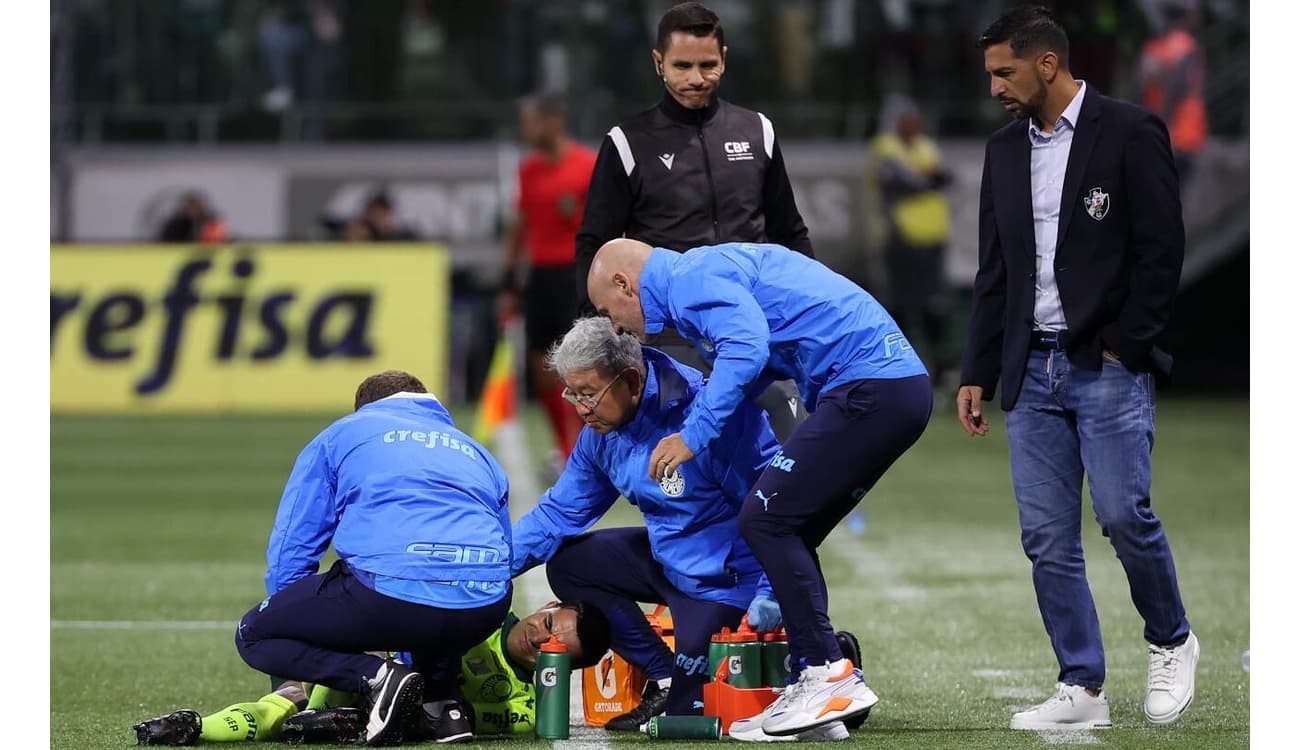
(591, 402)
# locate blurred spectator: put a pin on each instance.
(424, 44)
(1171, 73)
(301, 43)
(794, 48)
(377, 222)
(553, 182)
(905, 177)
(194, 220)
(283, 37)
(325, 71)
(1098, 50)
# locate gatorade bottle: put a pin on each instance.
(745, 660)
(776, 658)
(684, 728)
(552, 684)
(718, 650)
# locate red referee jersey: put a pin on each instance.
(551, 200)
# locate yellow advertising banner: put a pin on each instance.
(241, 328)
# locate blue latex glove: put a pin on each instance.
(764, 613)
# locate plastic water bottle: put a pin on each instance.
(718, 650)
(745, 660)
(776, 659)
(1245, 660)
(552, 684)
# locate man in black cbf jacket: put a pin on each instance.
(693, 170)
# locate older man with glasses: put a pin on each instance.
(689, 555)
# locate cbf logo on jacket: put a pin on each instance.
(691, 518)
(761, 312)
(402, 494)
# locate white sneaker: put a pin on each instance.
(1171, 680)
(823, 695)
(1070, 708)
(751, 730)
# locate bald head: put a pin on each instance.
(614, 283)
(618, 255)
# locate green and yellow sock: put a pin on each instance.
(248, 722)
(328, 697)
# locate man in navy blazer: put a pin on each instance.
(1080, 250)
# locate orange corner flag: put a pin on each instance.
(497, 404)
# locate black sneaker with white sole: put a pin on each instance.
(444, 722)
(395, 694)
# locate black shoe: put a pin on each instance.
(653, 701)
(444, 722)
(176, 728)
(395, 694)
(853, 652)
(335, 726)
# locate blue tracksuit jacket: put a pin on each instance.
(405, 497)
(761, 312)
(692, 525)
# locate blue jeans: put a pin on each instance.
(1069, 422)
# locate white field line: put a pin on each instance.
(1069, 737)
(512, 450)
(143, 624)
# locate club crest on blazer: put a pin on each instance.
(1097, 203)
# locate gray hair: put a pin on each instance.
(593, 344)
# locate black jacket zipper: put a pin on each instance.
(708, 175)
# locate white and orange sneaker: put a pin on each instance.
(822, 695)
(751, 730)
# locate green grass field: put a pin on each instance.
(158, 527)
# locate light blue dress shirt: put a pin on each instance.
(1049, 154)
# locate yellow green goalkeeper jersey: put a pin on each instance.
(499, 693)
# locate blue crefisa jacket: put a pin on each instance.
(406, 498)
(761, 312)
(691, 520)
